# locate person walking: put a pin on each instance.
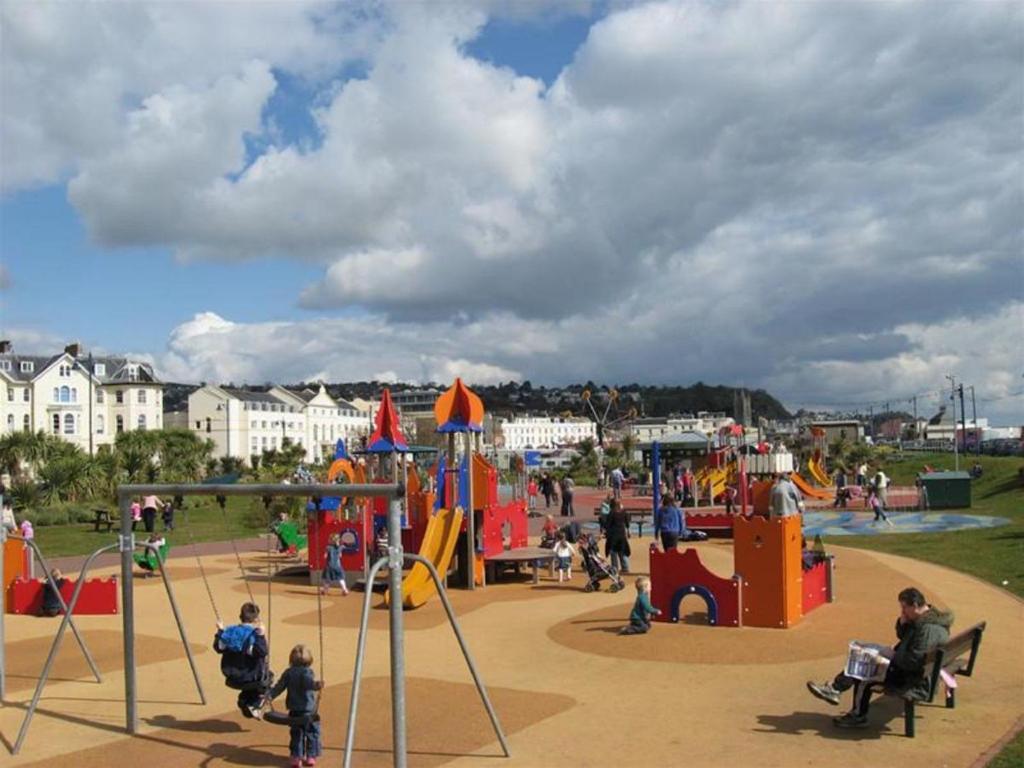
(150, 505)
(547, 489)
(568, 485)
(669, 523)
(616, 545)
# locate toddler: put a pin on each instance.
(304, 742)
(243, 649)
(564, 552)
(640, 616)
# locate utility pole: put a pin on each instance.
(871, 422)
(963, 420)
(916, 436)
(974, 418)
(956, 448)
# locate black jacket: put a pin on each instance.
(241, 667)
(916, 639)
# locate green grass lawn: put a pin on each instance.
(242, 518)
(995, 554)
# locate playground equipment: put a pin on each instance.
(99, 596)
(816, 467)
(438, 547)
(809, 490)
(472, 484)
(770, 586)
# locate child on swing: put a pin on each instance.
(333, 572)
(298, 679)
(243, 649)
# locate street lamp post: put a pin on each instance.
(88, 375)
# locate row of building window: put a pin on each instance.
(282, 408)
(69, 424)
(66, 394)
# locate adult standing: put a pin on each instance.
(547, 489)
(617, 479)
(881, 484)
(150, 505)
(840, 481)
(616, 545)
(688, 483)
(668, 523)
(862, 474)
(568, 486)
(785, 498)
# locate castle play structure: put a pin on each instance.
(771, 585)
(436, 522)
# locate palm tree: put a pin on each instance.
(13, 452)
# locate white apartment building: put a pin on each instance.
(650, 429)
(61, 394)
(244, 423)
(538, 432)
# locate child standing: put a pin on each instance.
(333, 572)
(136, 513)
(304, 742)
(51, 601)
(564, 552)
(878, 507)
(167, 516)
(640, 616)
(243, 649)
(531, 494)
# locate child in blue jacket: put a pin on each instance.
(243, 650)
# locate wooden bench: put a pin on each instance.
(956, 657)
(102, 517)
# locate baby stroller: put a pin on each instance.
(597, 568)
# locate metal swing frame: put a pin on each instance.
(126, 545)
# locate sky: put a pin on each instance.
(820, 199)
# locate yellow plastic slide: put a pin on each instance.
(438, 547)
(817, 472)
(809, 490)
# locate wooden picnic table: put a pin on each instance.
(640, 515)
(516, 557)
(102, 517)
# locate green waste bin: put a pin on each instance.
(948, 490)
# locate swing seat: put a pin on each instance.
(255, 685)
(274, 717)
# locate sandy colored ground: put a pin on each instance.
(567, 689)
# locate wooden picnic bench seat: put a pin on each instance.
(102, 517)
(955, 657)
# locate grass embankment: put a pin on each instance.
(242, 518)
(993, 554)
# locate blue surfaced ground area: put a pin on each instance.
(863, 524)
(848, 523)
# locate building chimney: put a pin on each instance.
(6, 347)
(74, 348)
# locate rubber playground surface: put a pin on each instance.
(567, 688)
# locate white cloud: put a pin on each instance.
(791, 195)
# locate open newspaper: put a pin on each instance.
(868, 661)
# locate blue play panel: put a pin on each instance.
(848, 523)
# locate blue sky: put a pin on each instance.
(42, 236)
(811, 198)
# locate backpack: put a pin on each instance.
(237, 638)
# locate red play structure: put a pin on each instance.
(24, 595)
(770, 587)
(498, 526)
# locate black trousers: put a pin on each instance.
(149, 519)
(669, 540)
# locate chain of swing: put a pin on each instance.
(271, 572)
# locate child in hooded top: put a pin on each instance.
(243, 649)
(304, 742)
